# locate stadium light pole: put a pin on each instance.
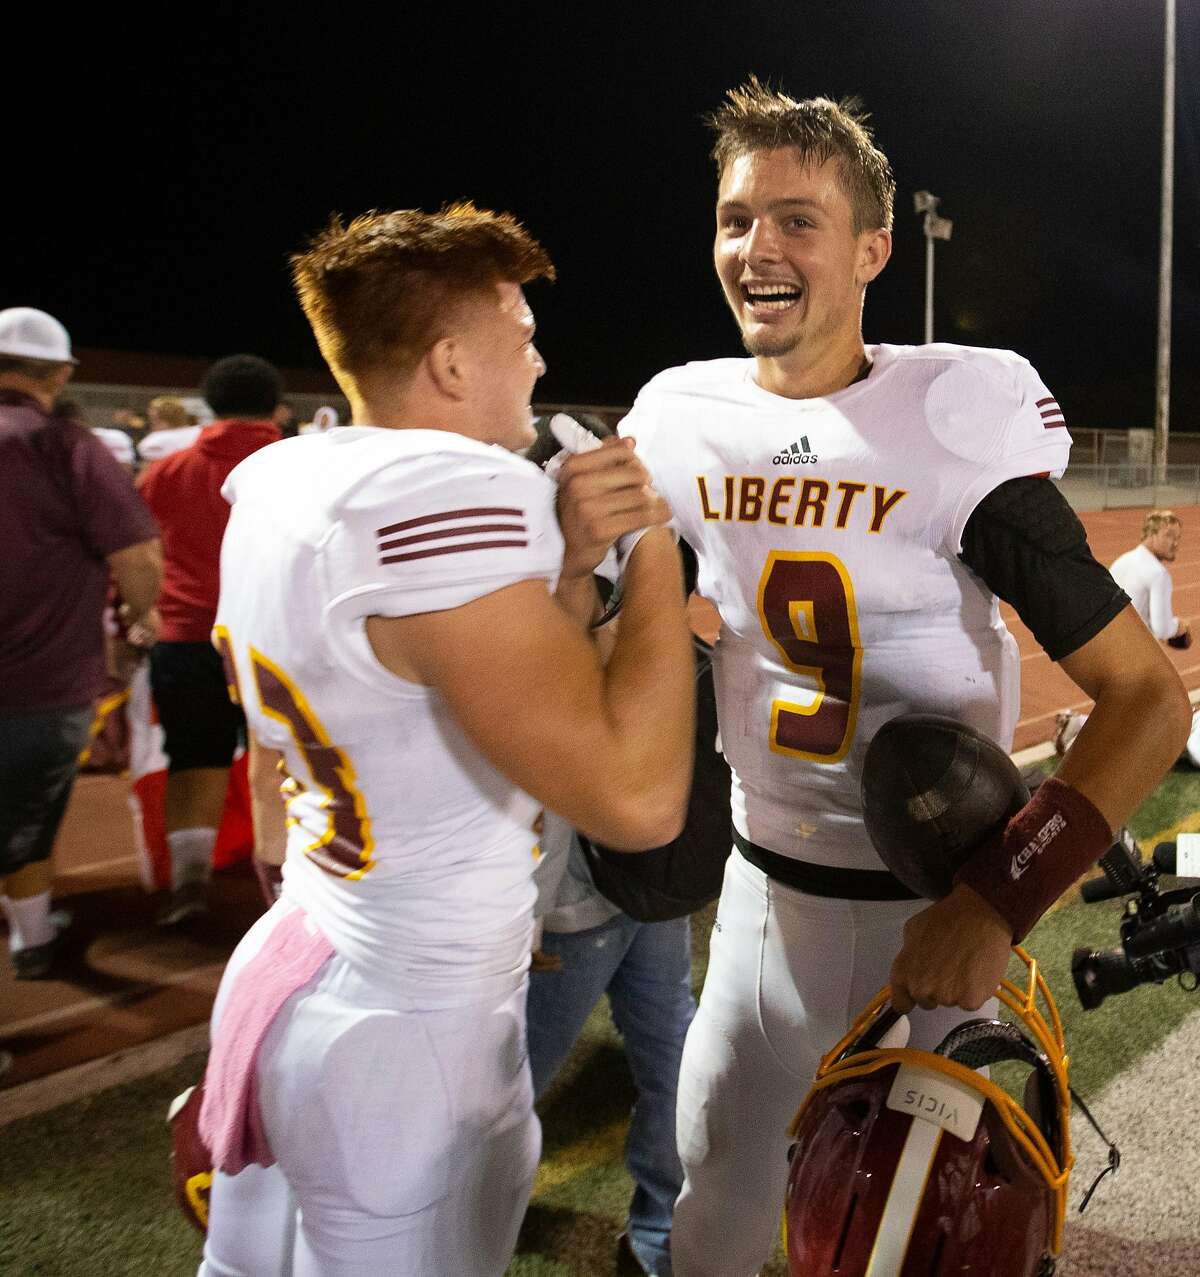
(935, 227)
(1162, 391)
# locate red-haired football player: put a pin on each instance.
(403, 614)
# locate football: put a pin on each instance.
(934, 790)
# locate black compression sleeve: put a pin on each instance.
(1027, 545)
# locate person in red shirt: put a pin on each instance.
(201, 725)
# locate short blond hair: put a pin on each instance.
(170, 411)
(1156, 520)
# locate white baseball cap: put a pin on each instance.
(32, 334)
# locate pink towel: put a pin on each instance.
(230, 1117)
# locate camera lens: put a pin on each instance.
(1100, 973)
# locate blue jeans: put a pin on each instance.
(645, 968)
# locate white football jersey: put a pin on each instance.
(827, 532)
(412, 853)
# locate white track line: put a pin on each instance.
(141, 989)
(1193, 696)
(82, 871)
(1037, 718)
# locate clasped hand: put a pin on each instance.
(603, 495)
(954, 954)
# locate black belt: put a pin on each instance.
(824, 880)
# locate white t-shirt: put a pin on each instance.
(827, 532)
(162, 443)
(410, 851)
(1148, 583)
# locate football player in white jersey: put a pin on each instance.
(856, 511)
(406, 627)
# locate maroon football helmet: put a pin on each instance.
(911, 1164)
(191, 1162)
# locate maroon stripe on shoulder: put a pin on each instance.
(452, 532)
(1056, 411)
(1057, 424)
(450, 549)
(475, 513)
(1041, 403)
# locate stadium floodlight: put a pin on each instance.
(935, 227)
(924, 202)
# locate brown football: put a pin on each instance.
(933, 790)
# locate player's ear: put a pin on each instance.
(874, 249)
(448, 365)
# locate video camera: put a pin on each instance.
(1160, 933)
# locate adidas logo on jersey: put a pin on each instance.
(797, 454)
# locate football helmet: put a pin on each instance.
(191, 1162)
(909, 1162)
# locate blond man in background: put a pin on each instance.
(1142, 574)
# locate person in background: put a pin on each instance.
(119, 445)
(589, 946)
(1142, 574)
(117, 442)
(171, 429)
(201, 725)
(68, 518)
(285, 418)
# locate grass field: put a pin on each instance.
(84, 1189)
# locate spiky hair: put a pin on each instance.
(756, 117)
(377, 292)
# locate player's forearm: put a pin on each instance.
(1132, 737)
(577, 596)
(649, 685)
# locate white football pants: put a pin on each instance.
(787, 974)
(406, 1139)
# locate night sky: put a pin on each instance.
(158, 178)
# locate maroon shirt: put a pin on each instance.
(184, 493)
(65, 505)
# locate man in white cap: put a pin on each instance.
(68, 518)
